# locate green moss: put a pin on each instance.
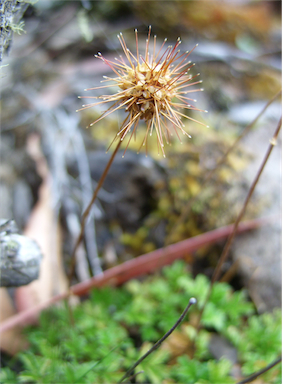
(115, 326)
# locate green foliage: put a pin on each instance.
(8, 376)
(116, 326)
(258, 343)
(91, 351)
(154, 368)
(196, 372)
(224, 307)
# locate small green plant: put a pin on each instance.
(210, 372)
(258, 343)
(116, 326)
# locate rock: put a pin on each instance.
(129, 191)
(11, 14)
(20, 256)
(246, 112)
(220, 347)
(19, 182)
(131, 182)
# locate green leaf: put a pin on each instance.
(213, 317)
(7, 376)
(153, 366)
(197, 288)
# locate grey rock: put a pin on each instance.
(20, 257)
(11, 11)
(129, 191)
(244, 113)
(220, 347)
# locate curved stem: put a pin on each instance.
(87, 211)
(260, 372)
(159, 342)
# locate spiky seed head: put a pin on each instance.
(152, 88)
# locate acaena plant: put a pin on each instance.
(153, 88)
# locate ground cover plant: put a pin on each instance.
(111, 329)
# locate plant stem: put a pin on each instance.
(260, 372)
(87, 211)
(231, 237)
(241, 214)
(159, 342)
(220, 162)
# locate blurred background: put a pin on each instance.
(50, 162)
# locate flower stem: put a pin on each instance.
(231, 237)
(260, 372)
(87, 211)
(186, 210)
(241, 214)
(160, 341)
